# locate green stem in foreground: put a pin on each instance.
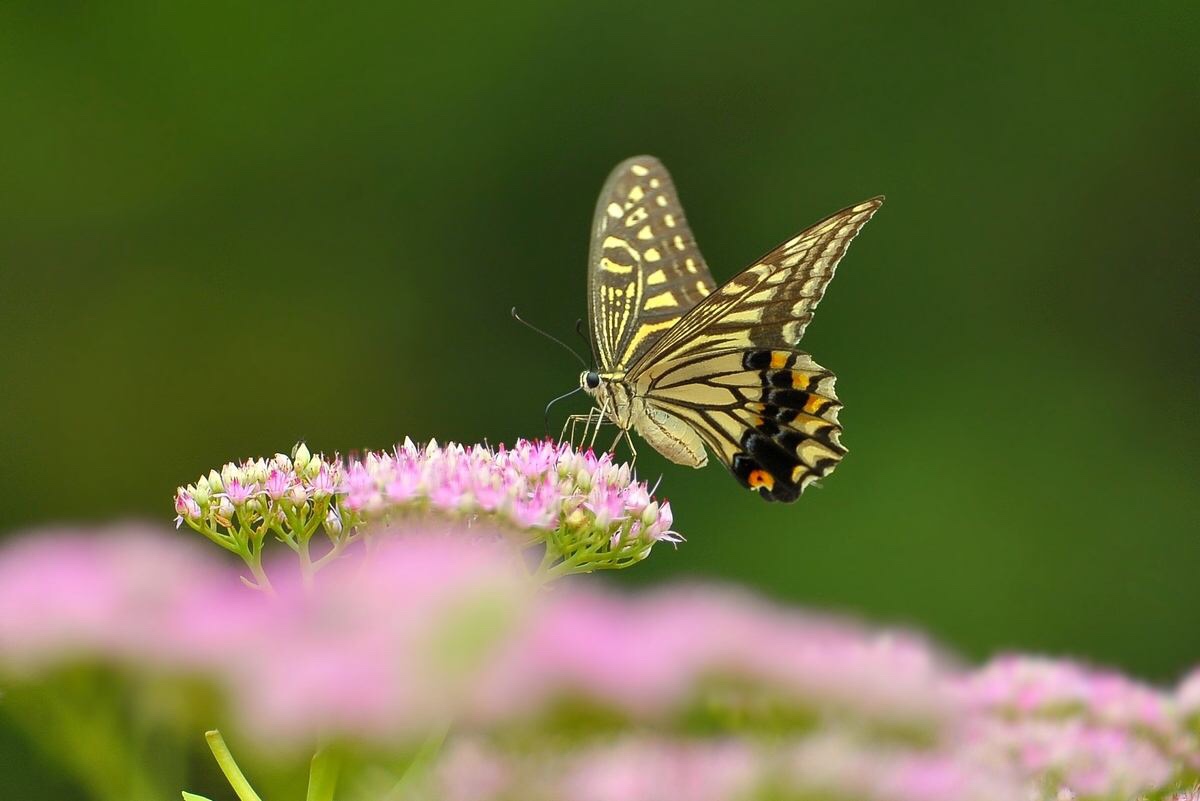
(323, 775)
(418, 768)
(237, 780)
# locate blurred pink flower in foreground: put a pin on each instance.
(577, 694)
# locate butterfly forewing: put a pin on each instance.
(770, 303)
(646, 270)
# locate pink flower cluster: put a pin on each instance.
(590, 512)
(1096, 732)
(585, 695)
(645, 768)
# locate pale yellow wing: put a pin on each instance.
(645, 267)
(770, 303)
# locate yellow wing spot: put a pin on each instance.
(758, 270)
(746, 316)
(656, 277)
(678, 242)
(800, 380)
(669, 219)
(701, 288)
(644, 331)
(610, 266)
(812, 451)
(646, 233)
(814, 404)
(638, 169)
(618, 242)
(761, 478)
(798, 473)
(636, 194)
(652, 254)
(654, 182)
(779, 359)
(615, 210)
(661, 200)
(691, 266)
(665, 300)
(636, 217)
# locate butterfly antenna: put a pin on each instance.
(591, 348)
(550, 337)
(556, 400)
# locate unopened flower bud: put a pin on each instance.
(256, 471)
(214, 481)
(300, 456)
(333, 522)
(230, 473)
(313, 468)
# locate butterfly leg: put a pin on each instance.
(599, 422)
(569, 425)
(593, 417)
(623, 434)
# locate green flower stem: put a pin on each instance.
(253, 559)
(220, 539)
(323, 775)
(237, 780)
(306, 563)
(584, 559)
(339, 545)
(420, 764)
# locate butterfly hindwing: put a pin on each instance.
(646, 270)
(770, 415)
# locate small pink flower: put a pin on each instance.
(237, 492)
(186, 506)
(324, 484)
(277, 483)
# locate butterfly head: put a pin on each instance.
(589, 381)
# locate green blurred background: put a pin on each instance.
(226, 226)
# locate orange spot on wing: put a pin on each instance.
(779, 359)
(814, 404)
(799, 380)
(761, 478)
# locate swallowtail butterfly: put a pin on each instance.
(690, 365)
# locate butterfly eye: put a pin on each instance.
(591, 380)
